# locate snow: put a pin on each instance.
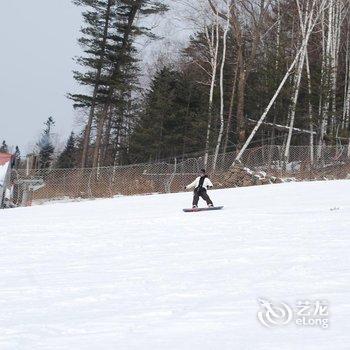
(290, 167)
(3, 172)
(138, 273)
(248, 171)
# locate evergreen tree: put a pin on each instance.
(108, 36)
(173, 119)
(67, 158)
(46, 148)
(17, 158)
(4, 148)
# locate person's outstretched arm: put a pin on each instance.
(191, 185)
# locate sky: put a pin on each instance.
(38, 43)
(38, 40)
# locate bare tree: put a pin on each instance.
(346, 103)
(223, 61)
(305, 12)
(213, 41)
(252, 13)
(230, 110)
(310, 109)
(331, 30)
(316, 8)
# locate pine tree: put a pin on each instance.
(46, 148)
(108, 36)
(17, 157)
(4, 148)
(67, 159)
(173, 119)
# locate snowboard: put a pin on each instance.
(201, 209)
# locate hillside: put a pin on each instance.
(138, 273)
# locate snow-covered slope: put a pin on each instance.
(138, 273)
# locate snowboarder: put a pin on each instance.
(201, 184)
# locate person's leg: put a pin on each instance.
(205, 196)
(195, 198)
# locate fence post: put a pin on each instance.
(172, 176)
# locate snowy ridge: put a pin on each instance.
(138, 273)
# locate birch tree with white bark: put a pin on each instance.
(310, 19)
(305, 11)
(213, 42)
(333, 17)
(228, 4)
(208, 23)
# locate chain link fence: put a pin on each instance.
(304, 163)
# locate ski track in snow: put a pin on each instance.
(138, 273)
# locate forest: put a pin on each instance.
(253, 73)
